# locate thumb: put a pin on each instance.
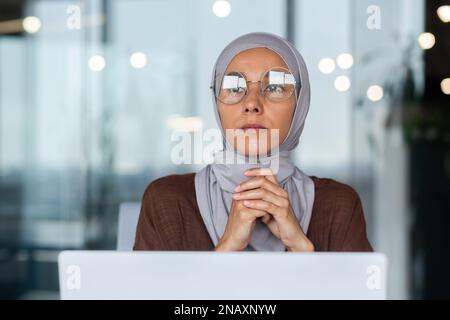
(271, 224)
(266, 218)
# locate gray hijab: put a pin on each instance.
(214, 183)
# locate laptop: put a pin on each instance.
(197, 275)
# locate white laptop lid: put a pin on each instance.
(212, 275)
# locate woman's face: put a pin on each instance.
(255, 117)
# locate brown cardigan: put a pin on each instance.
(170, 218)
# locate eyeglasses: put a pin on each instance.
(276, 84)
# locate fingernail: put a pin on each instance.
(237, 188)
(246, 203)
(236, 196)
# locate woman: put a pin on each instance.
(260, 88)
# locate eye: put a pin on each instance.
(236, 90)
(274, 88)
(234, 84)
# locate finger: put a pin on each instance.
(263, 206)
(266, 172)
(266, 218)
(275, 187)
(271, 224)
(252, 213)
(262, 194)
(258, 172)
(261, 182)
(272, 178)
(273, 227)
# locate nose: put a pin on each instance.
(253, 99)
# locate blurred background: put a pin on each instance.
(91, 92)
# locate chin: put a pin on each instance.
(253, 142)
(254, 147)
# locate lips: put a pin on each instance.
(252, 126)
